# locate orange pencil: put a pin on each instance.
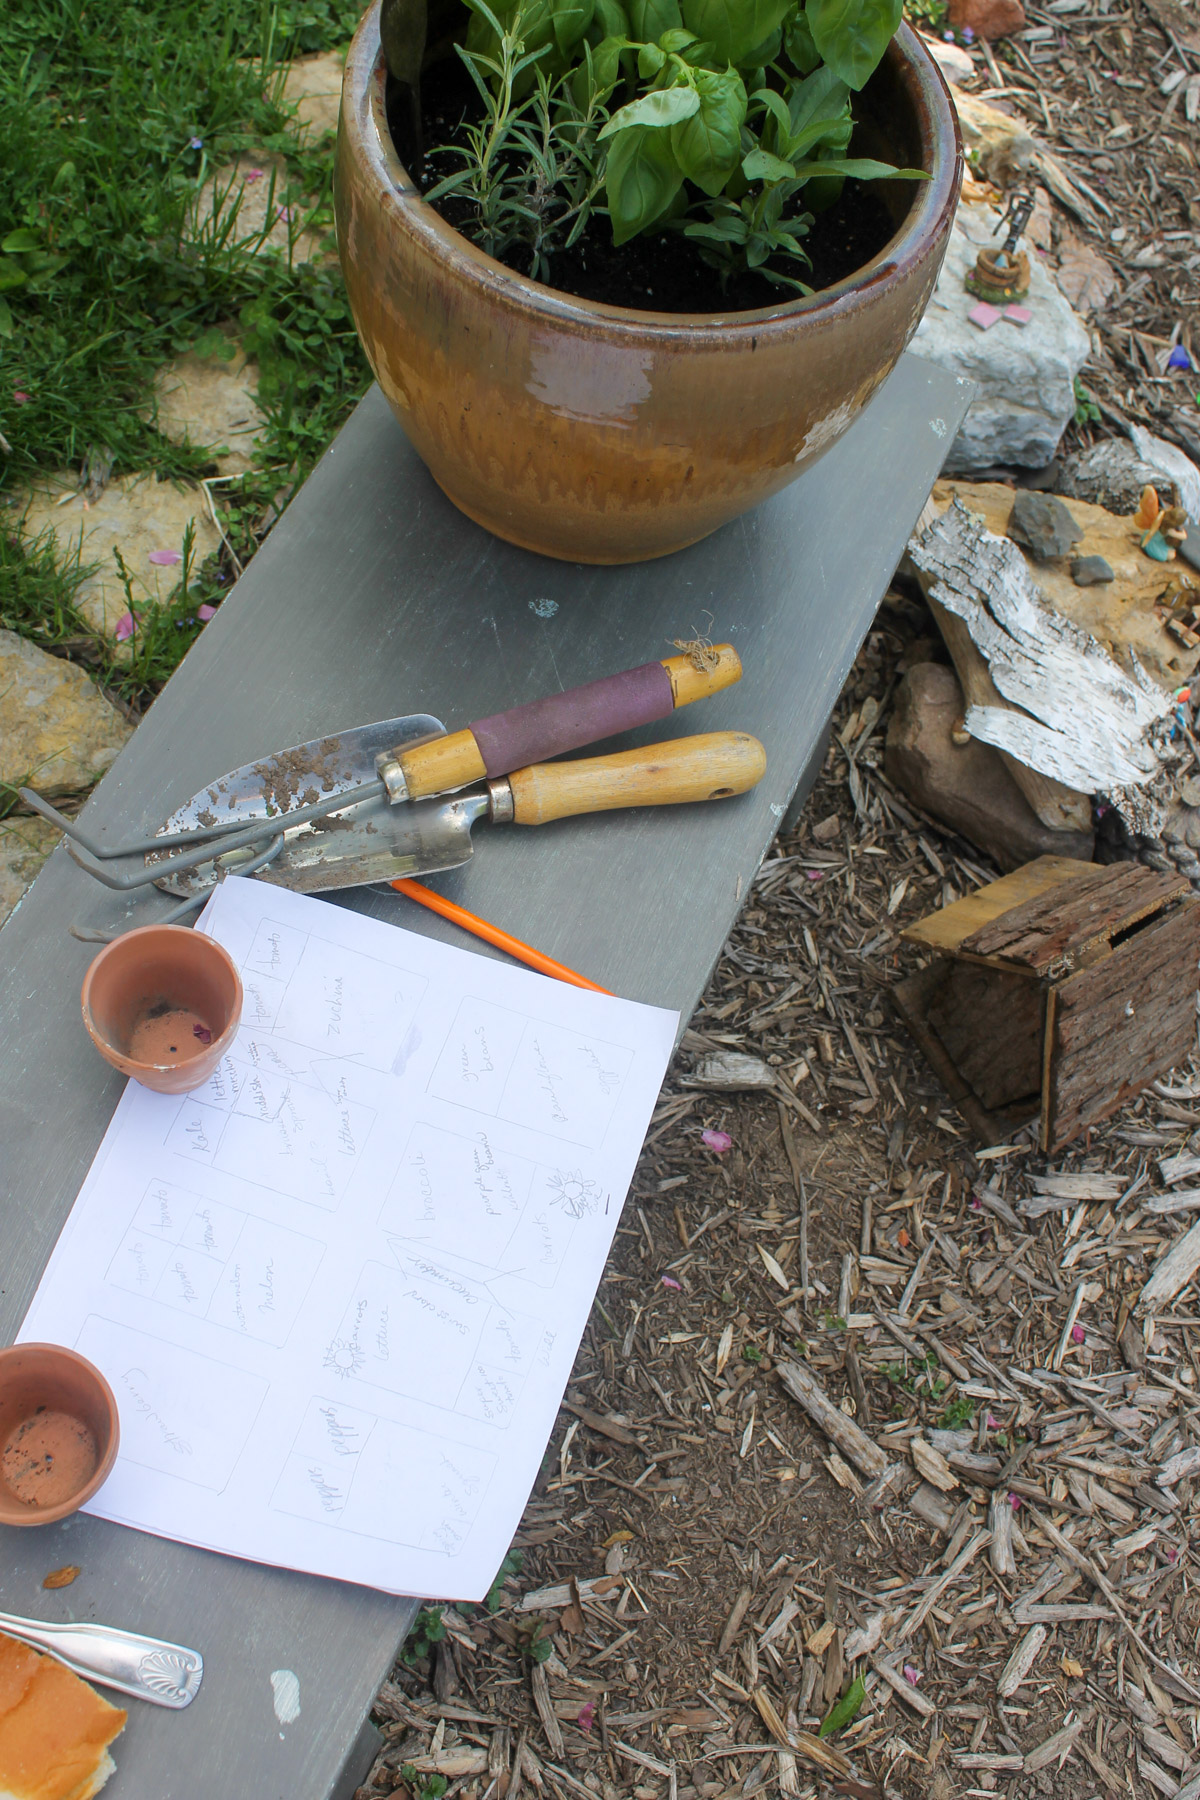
(503, 940)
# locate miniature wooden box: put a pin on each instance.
(1062, 989)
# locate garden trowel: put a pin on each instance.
(375, 842)
(245, 815)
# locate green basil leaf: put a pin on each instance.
(612, 18)
(650, 60)
(570, 19)
(766, 100)
(676, 42)
(735, 27)
(665, 106)
(6, 319)
(19, 241)
(852, 35)
(760, 165)
(865, 168)
(821, 95)
(641, 180)
(798, 41)
(12, 277)
(708, 145)
(846, 1709)
(649, 19)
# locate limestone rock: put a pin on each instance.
(1089, 571)
(1042, 524)
(249, 199)
(25, 843)
(1109, 474)
(1026, 378)
(313, 85)
(1119, 614)
(137, 514)
(966, 786)
(210, 401)
(58, 733)
(954, 60)
(989, 19)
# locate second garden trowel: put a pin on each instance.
(375, 842)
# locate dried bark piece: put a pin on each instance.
(1017, 1668)
(854, 1443)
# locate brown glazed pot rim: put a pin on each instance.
(362, 119)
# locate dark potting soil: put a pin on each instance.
(663, 272)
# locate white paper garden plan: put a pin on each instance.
(338, 1289)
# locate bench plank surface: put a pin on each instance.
(374, 597)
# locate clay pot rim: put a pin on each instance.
(51, 1515)
(109, 1050)
(362, 120)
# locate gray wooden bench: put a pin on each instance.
(374, 597)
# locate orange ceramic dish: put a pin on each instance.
(599, 434)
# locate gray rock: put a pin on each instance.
(1110, 474)
(24, 846)
(1026, 377)
(966, 786)
(1089, 571)
(58, 733)
(1042, 523)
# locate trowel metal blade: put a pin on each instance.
(275, 785)
(377, 842)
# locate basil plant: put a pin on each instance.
(728, 120)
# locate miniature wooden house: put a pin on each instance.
(1060, 990)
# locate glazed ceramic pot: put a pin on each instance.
(58, 1433)
(599, 434)
(162, 1004)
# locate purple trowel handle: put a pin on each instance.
(583, 715)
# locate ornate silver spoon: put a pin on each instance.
(164, 1674)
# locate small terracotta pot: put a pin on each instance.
(607, 434)
(162, 1004)
(58, 1433)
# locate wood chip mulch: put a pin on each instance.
(853, 1402)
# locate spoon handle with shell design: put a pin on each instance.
(145, 1667)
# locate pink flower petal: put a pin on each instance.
(587, 1716)
(205, 613)
(720, 1141)
(668, 1281)
(19, 396)
(124, 628)
(203, 1033)
(254, 174)
(1077, 1334)
(165, 559)
(1014, 1500)
(992, 1423)
(1172, 1553)
(912, 1675)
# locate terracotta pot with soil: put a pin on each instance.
(58, 1433)
(162, 1004)
(604, 433)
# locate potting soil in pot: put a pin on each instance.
(659, 272)
(47, 1458)
(167, 1034)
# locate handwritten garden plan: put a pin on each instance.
(338, 1289)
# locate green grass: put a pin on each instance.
(111, 117)
(113, 113)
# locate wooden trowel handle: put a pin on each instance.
(711, 767)
(544, 728)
